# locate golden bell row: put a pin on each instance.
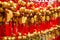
(25, 15)
(8, 11)
(48, 34)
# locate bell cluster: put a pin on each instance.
(8, 11)
(36, 15)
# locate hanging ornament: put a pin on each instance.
(7, 29)
(8, 13)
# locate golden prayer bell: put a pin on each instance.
(1, 9)
(28, 4)
(22, 9)
(4, 4)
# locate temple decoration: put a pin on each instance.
(33, 20)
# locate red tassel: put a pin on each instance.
(25, 30)
(15, 30)
(10, 28)
(37, 27)
(42, 26)
(54, 22)
(31, 28)
(20, 28)
(48, 25)
(7, 29)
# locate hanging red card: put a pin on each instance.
(24, 30)
(31, 28)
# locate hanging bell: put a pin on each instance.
(1, 9)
